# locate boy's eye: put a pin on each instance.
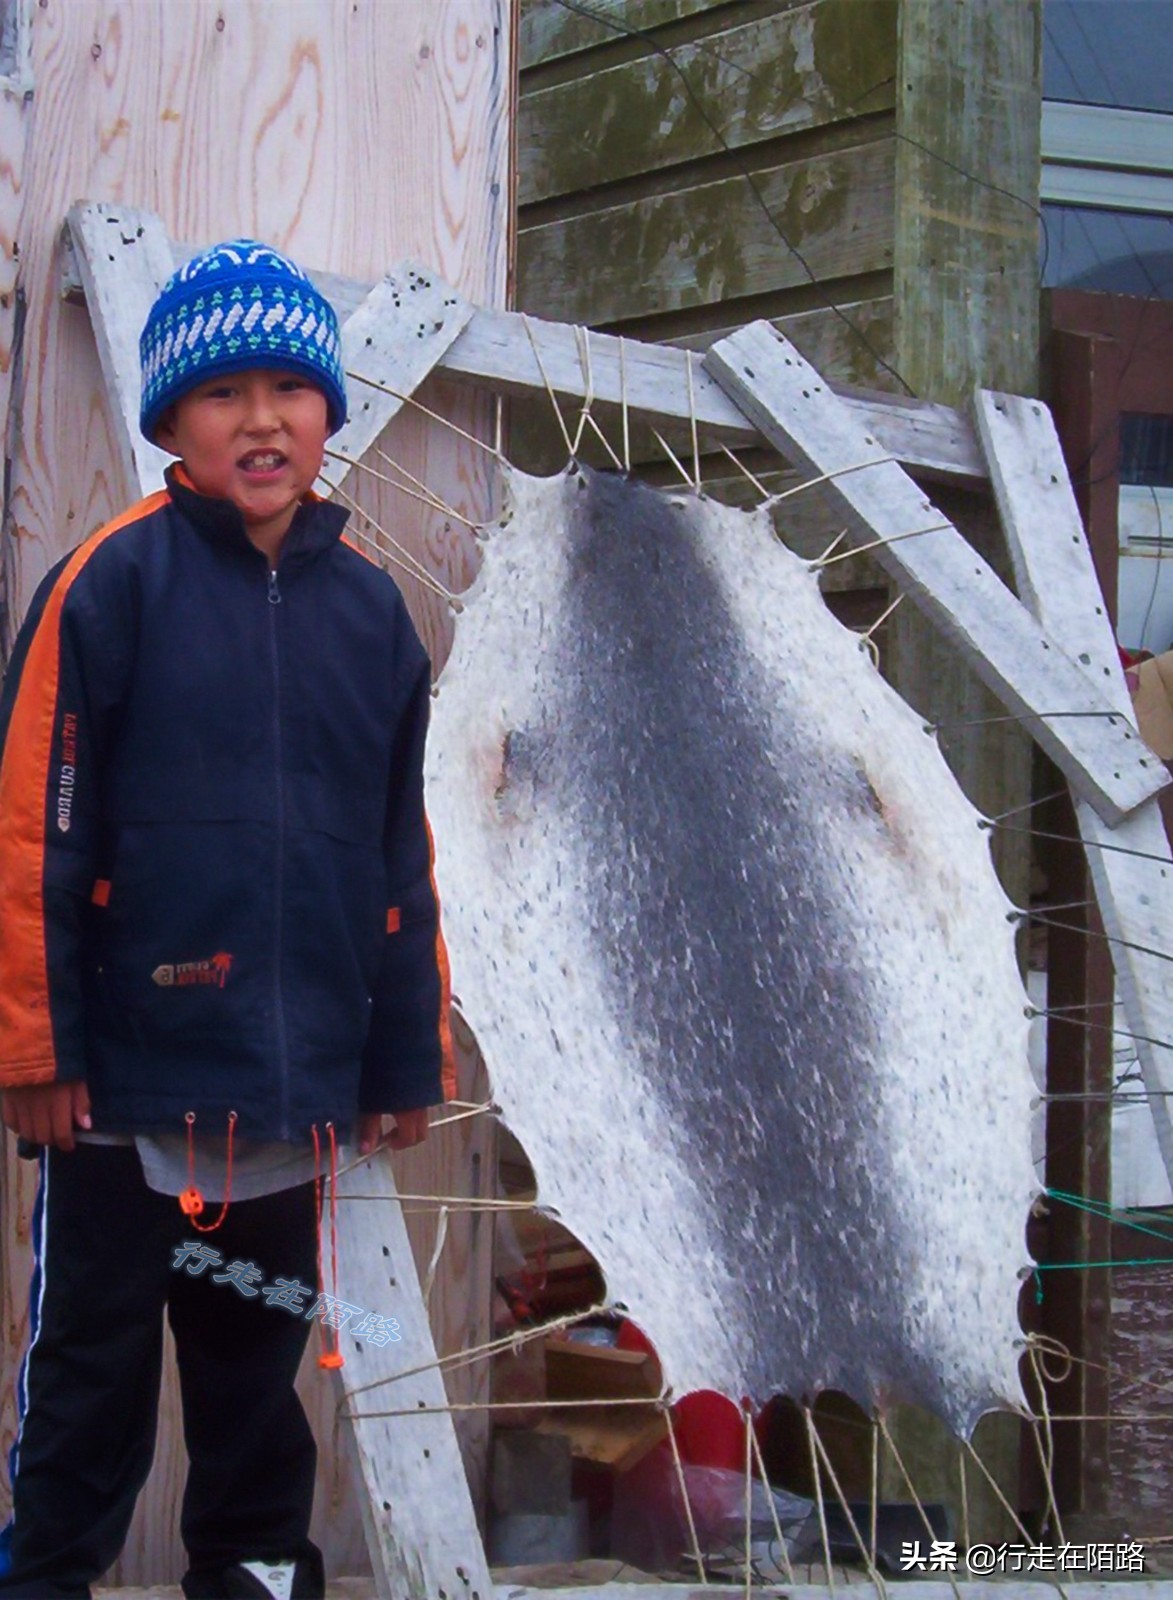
(218, 391)
(291, 383)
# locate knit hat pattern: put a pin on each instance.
(238, 305)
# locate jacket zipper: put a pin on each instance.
(278, 927)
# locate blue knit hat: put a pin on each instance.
(240, 304)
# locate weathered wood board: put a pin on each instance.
(421, 1525)
(550, 30)
(1056, 578)
(967, 219)
(667, 252)
(778, 74)
(517, 355)
(688, 158)
(15, 108)
(389, 345)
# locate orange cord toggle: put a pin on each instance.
(330, 1359)
(191, 1201)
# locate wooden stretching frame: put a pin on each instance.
(751, 386)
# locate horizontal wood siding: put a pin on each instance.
(549, 29)
(677, 250)
(684, 167)
(751, 83)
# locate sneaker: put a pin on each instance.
(303, 1579)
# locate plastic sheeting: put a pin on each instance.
(730, 940)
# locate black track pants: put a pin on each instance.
(104, 1247)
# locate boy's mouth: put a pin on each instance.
(261, 461)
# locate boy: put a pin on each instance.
(219, 946)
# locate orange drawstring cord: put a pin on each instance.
(191, 1201)
(328, 1358)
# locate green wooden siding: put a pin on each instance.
(688, 165)
(550, 30)
(631, 262)
(749, 83)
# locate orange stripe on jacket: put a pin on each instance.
(447, 1051)
(26, 1025)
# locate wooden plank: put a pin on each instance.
(394, 338)
(1048, 546)
(615, 1436)
(846, 344)
(1056, 578)
(549, 29)
(421, 1527)
(1098, 751)
(497, 350)
(825, 216)
(123, 259)
(576, 1371)
(459, 1159)
(967, 170)
(795, 70)
(15, 121)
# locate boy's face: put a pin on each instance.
(255, 438)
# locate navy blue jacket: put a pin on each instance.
(215, 869)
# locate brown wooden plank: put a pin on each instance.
(576, 1371)
(15, 120)
(824, 217)
(776, 75)
(615, 1437)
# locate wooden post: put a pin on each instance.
(968, 121)
(968, 113)
(392, 340)
(421, 1528)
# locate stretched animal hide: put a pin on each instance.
(729, 937)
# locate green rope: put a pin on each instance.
(1088, 1266)
(1105, 1212)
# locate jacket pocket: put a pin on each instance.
(180, 947)
(335, 929)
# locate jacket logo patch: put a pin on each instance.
(179, 974)
(67, 776)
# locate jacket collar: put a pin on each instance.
(317, 524)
